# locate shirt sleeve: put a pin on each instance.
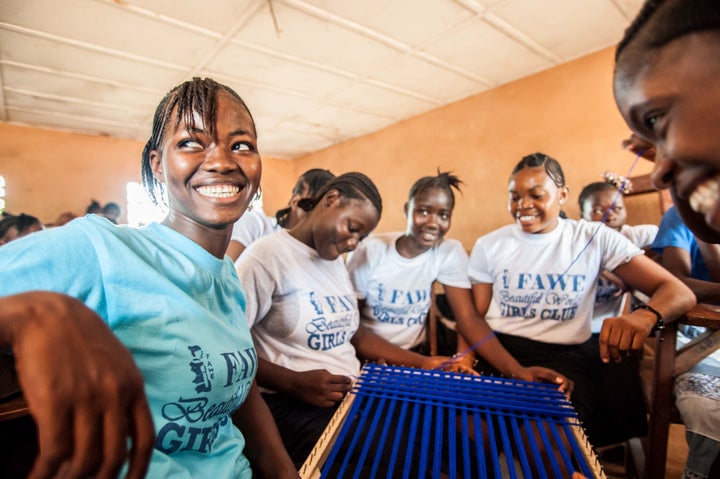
(358, 267)
(617, 249)
(478, 271)
(672, 232)
(62, 260)
(258, 284)
(248, 228)
(454, 267)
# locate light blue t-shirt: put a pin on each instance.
(673, 232)
(177, 308)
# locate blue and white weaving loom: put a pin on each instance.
(406, 423)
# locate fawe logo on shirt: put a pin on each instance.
(545, 296)
(192, 422)
(333, 322)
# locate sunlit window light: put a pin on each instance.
(140, 209)
(2, 194)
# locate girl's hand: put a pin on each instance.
(82, 386)
(321, 388)
(539, 373)
(454, 364)
(624, 333)
(639, 146)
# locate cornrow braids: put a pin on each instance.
(552, 167)
(443, 180)
(660, 21)
(350, 185)
(181, 103)
(312, 180)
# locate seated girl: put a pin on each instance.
(304, 316)
(130, 343)
(393, 275)
(620, 404)
(534, 281)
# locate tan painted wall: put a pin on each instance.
(567, 112)
(49, 172)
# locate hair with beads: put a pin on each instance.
(551, 165)
(443, 180)
(661, 21)
(350, 185)
(180, 104)
(311, 181)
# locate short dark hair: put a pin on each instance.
(350, 185)
(661, 21)
(591, 189)
(20, 222)
(443, 180)
(552, 167)
(193, 96)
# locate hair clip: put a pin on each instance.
(620, 182)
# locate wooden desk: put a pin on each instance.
(670, 362)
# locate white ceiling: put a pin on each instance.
(314, 72)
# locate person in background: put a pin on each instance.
(254, 224)
(604, 201)
(620, 405)
(131, 344)
(13, 227)
(303, 314)
(111, 211)
(535, 283)
(393, 273)
(62, 219)
(94, 208)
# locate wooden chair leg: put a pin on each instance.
(661, 403)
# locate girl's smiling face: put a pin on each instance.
(673, 101)
(340, 223)
(428, 214)
(534, 200)
(210, 179)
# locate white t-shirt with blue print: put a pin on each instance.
(301, 308)
(544, 285)
(397, 290)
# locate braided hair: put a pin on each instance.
(311, 181)
(662, 21)
(350, 185)
(552, 167)
(193, 96)
(443, 180)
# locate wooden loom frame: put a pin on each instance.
(312, 468)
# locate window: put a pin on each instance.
(2, 194)
(140, 209)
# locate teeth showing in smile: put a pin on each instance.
(705, 196)
(218, 191)
(526, 218)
